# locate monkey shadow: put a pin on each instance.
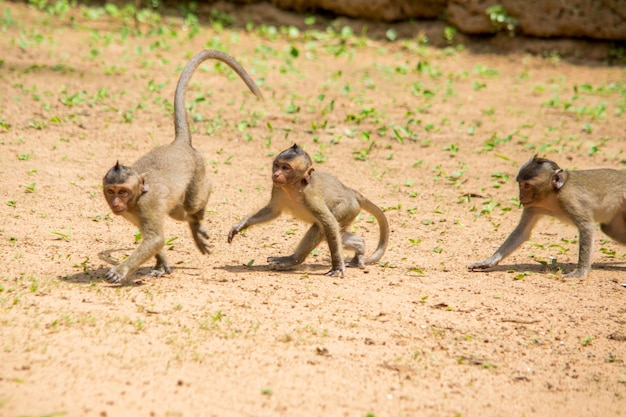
(564, 268)
(313, 269)
(94, 275)
(608, 266)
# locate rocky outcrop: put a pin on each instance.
(386, 10)
(592, 19)
(595, 19)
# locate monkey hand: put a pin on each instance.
(233, 231)
(282, 262)
(339, 272)
(338, 269)
(577, 273)
(487, 263)
(477, 266)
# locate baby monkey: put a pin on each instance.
(581, 198)
(169, 180)
(322, 200)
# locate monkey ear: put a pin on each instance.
(558, 179)
(307, 174)
(142, 183)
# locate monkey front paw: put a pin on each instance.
(577, 273)
(113, 276)
(282, 262)
(487, 263)
(233, 231)
(339, 272)
(479, 266)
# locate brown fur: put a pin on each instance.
(581, 198)
(322, 200)
(169, 180)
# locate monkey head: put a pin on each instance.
(291, 167)
(122, 187)
(537, 178)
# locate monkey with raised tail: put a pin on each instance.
(578, 197)
(169, 180)
(323, 201)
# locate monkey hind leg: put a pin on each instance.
(199, 234)
(162, 267)
(195, 202)
(197, 193)
(311, 239)
(357, 244)
(616, 228)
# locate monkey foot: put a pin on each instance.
(160, 270)
(113, 276)
(205, 248)
(356, 262)
(201, 240)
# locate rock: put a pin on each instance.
(386, 10)
(595, 19)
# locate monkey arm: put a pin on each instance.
(333, 237)
(516, 238)
(266, 214)
(586, 232)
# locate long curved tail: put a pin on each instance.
(181, 125)
(383, 227)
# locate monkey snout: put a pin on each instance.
(118, 208)
(526, 200)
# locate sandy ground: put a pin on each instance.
(433, 136)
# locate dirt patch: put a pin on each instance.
(434, 136)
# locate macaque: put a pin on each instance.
(169, 180)
(581, 198)
(323, 201)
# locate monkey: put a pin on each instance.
(578, 197)
(169, 180)
(321, 200)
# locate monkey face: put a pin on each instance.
(291, 169)
(120, 197)
(122, 186)
(282, 173)
(527, 191)
(538, 178)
